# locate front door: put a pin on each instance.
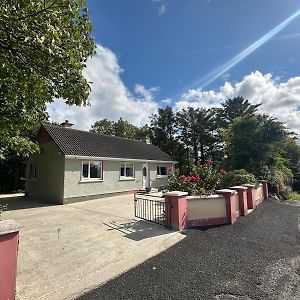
(145, 176)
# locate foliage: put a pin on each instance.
(162, 130)
(12, 173)
(43, 49)
(294, 196)
(195, 133)
(279, 182)
(121, 128)
(290, 152)
(202, 180)
(262, 145)
(253, 141)
(237, 177)
(234, 108)
(198, 131)
(164, 134)
(2, 209)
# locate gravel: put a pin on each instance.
(256, 258)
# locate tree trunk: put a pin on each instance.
(195, 148)
(202, 152)
(188, 158)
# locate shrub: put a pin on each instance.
(296, 182)
(294, 196)
(279, 182)
(202, 180)
(2, 209)
(237, 177)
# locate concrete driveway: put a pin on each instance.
(257, 258)
(67, 250)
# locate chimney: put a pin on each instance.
(66, 124)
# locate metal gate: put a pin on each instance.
(152, 208)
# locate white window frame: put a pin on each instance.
(89, 179)
(159, 175)
(32, 171)
(133, 171)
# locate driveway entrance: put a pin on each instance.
(66, 250)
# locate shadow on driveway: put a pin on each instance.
(137, 230)
(11, 202)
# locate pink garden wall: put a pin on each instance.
(225, 207)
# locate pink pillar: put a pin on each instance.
(242, 193)
(265, 188)
(250, 195)
(9, 241)
(231, 209)
(178, 202)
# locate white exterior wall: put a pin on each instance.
(156, 181)
(111, 183)
(49, 183)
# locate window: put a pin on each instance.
(32, 171)
(92, 170)
(127, 170)
(162, 171)
(144, 171)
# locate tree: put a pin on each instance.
(104, 126)
(43, 49)
(121, 128)
(291, 153)
(198, 131)
(162, 130)
(254, 141)
(234, 108)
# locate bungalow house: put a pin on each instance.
(75, 165)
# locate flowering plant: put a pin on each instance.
(202, 180)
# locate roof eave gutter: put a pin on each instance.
(119, 159)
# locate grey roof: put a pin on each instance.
(83, 143)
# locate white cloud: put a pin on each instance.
(162, 6)
(167, 101)
(109, 98)
(162, 9)
(143, 93)
(279, 99)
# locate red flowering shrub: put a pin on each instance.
(202, 180)
(170, 170)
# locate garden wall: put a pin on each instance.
(9, 241)
(259, 196)
(206, 210)
(225, 207)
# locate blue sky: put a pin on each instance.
(155, 52)
(192, 37)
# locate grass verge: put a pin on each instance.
(294, 196)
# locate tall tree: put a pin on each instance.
(254, 141)
(104, 126)
(43, 49)
(197, 130)
(234, 108)
(121, 128)
(163, 129)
